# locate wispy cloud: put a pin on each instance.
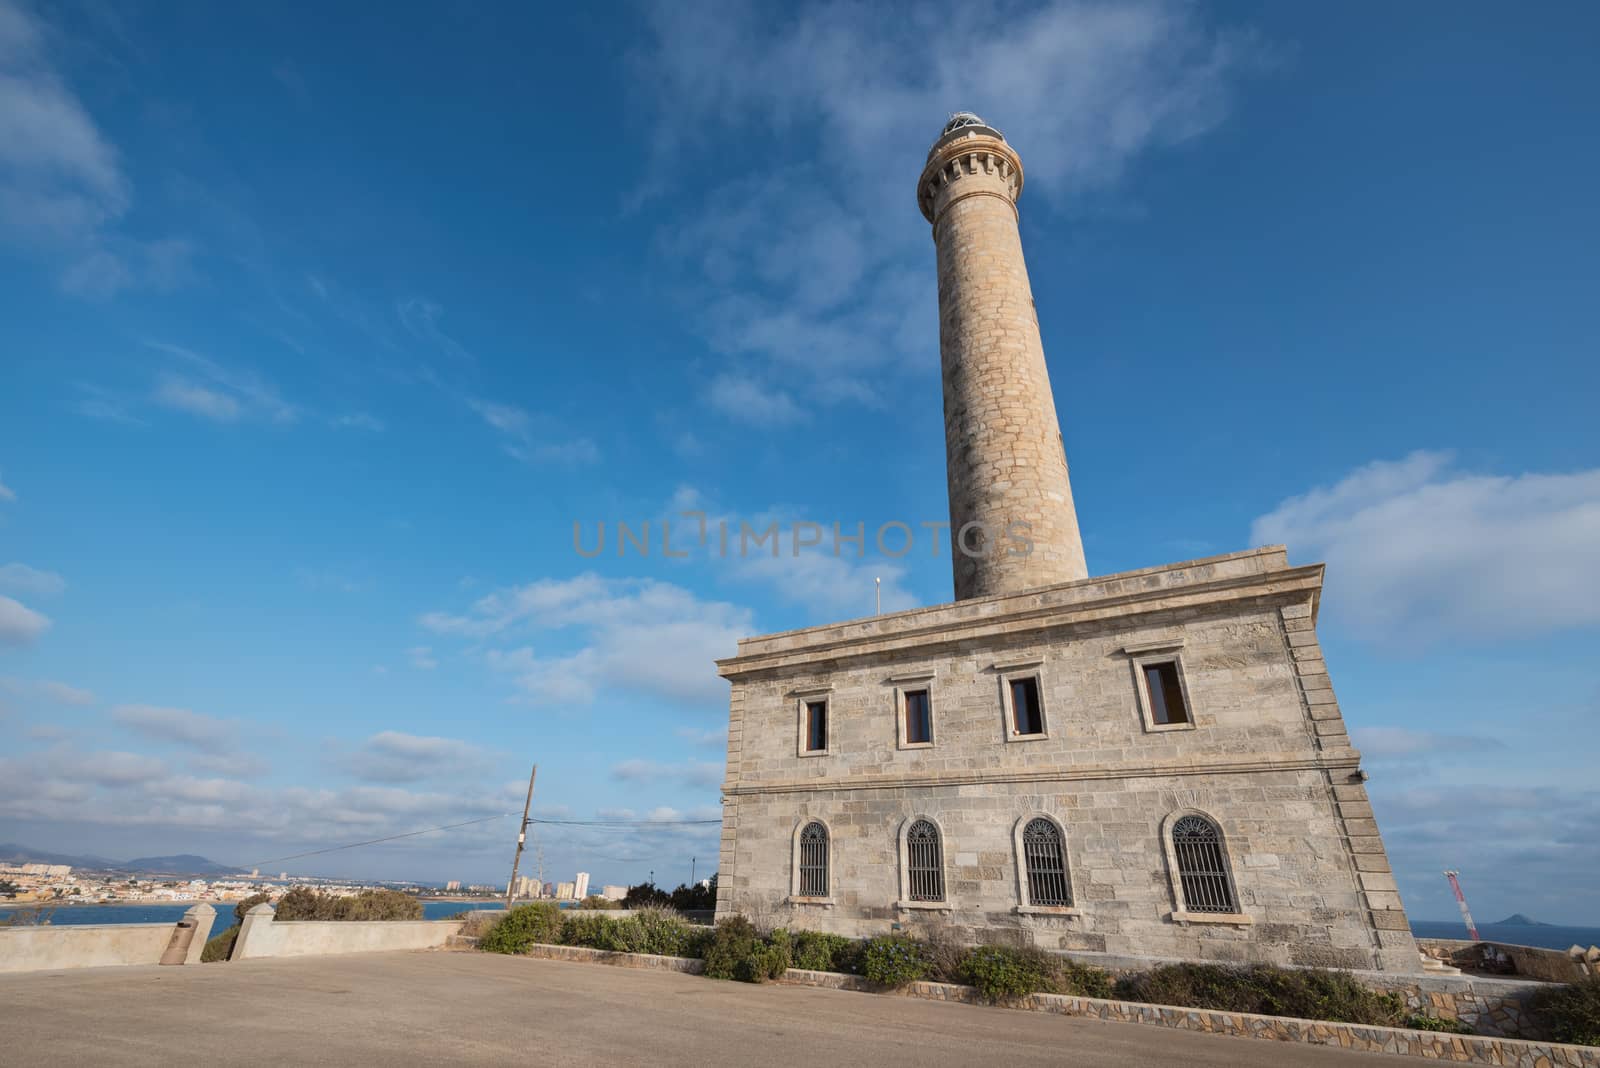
(178, 725)
(393, 756)
(62, 184)
(422, 658)
(7, 494)
(751, 402)
(1390, 743)
(638, 634)
(693, 773)
(816, 280)
(19, 624)
(212, 390)
(522, 439)
(49, 689)
(1421, 549)
(20, 578)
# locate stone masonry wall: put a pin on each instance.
(1308, 866)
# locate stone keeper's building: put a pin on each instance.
(1144, 764)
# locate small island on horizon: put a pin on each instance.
(1517, 919)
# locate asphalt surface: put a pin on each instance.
(449, 1008)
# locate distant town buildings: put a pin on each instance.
(613, 893)
(580, 887)
(564, 891)
(453, 884)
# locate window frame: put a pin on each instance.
(1149, 654)
(1025, 903)
(904, 684)
(1018, 672)
(1180, 910)
(802, 700)
(905, 902)
(795, 896)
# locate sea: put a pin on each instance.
(138, 913)
(1545, 935)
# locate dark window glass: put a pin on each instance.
(1025, 707)
(919, 717)
(816, 726)
(1166, 694)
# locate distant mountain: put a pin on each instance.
(182, 864)
(1517, 919)
(11, 853)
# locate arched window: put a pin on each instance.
(925, 862)
(1202, 867)
(814, 860)
(1045, 863)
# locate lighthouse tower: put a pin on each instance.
(1012, 523)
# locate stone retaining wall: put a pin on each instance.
(1458, 1049)
(262, 936)
(93, 945)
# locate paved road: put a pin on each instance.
(468, 1008)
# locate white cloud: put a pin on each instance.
(523, 440)
(1387, 743)
(1418, 551)
(20, 578)
(179, 725)
(186, 396)
(7, 493)
(19, 624)
(750, 402)
(422, 657)
(714, 737)
(357, 421)
(693, 773)
(62, 186)
(392, 756)
(214, 391)
(60, 692)
(816, 280)
(636, 634)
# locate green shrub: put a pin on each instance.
(303, 903)
(1004, 972)
(522, 927)
(220, 947)
(893, 960)
(737, 951)
(698, 941)
(654, 929)
(596, 903)
(820, 952)
(1307, 993)
(1418, 1021)
(1570, 1013)
(594, 931)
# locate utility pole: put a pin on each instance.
(522, 838)
(1461, 900)
(877, 591)
(691, 871)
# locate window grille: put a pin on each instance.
(925, 862)
(1046, 864)
(1202, 869)
(814, 861)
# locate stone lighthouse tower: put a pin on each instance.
(1006, 466)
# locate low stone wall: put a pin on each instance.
(1492, 1006)
(263, 936)
(622, 960)
(1458, 1049)
(48, 947)
(1503, 958)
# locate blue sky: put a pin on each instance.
(319, 331)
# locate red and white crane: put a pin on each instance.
(1472, 928)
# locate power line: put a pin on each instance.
(375, 841)
(624, 824)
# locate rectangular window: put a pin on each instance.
(919, 718)
(1027, 714)
(816, 726)
(1165, 693)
